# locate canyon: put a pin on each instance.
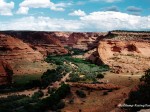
(25, 51)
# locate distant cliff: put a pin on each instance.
(122, 51)
(126, 51)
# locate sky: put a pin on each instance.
(75, 15)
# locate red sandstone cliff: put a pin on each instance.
(126, 51)
(122, 51)
(20, 56)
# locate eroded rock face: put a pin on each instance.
(55, 42)
(84, 41)
(20, 56)
(45, 43)
(126, 54)
(122, 51)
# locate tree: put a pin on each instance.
(140, 96)
(81, 93)
(100, 76)
(146, 77)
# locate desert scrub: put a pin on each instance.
(80, 93)
(105, 93)
(37, 94)
(141, 95)
(100, 76)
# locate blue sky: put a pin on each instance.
(75, 15)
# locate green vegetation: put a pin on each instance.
(100, 76)
(23, 79)
(81, 93)
(131, 31)
(75, 51)
(142, 95)
(111, 35)
(22, 103)
(53, 102)
(13, 103)
(50, 76)
(79, 69)
(37, 94)
(22, 82)
(51, 90)
(83, 70)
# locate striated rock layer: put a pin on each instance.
(126, 51)
(20, 56)
(122, 51)
(56, 42)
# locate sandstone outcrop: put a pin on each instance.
(56, 42)
(122, 51)
(126, 51)
(45, 43)
(20, 56)
(84, 41)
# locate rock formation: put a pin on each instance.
(122, 51)
(20, 56)
(55, 42)
(126, 51)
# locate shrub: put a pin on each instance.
(37, 94)
(50, 76)
(80, 93)
(61, 104)
(100, 76)
(146, 77)
(51, 90)
(141, 95)
(105, 93)
(74, 77)
(52, 101)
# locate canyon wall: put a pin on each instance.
(127, 52)
(56, 42)
(25, 51)
(20, 56)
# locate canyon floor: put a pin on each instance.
(103, 66)
(97, 102)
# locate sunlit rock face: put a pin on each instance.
(126, 52)
(122, 51)
(20, 56)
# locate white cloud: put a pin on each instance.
(96, 21)
(108, 20)
(108, 1)
(27, 4)
(41, 24)
(77, 13)
(23, 10)
(6, 8)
